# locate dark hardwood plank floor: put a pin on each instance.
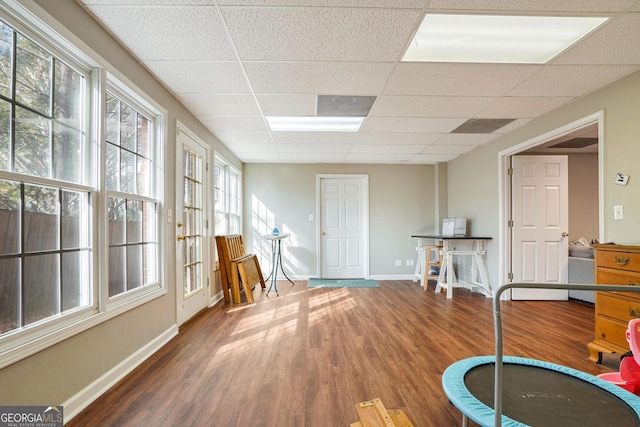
(306, 357)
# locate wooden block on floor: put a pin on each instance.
(373, 413)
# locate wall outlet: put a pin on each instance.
(398, 263)
(618, 212)
(408, 262)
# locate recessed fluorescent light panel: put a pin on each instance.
(314, 124)
(496, 39)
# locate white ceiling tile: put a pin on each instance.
(226, 123)
(448, 149)
(428, 106)
(396, 4)
(323, 78)
(312, 148)
(457, 79)
(288, 105)
(220, 104)
(242, 137)
(167, 33)
(378, 158)
(466, 139)
(253, 148)
(570, 80)
(616, 42)
(314, 158)
(313, 34)
(398, 138)
(512, 107)
(315, 137)
(260, 158)
(513, 125)
(387, 148)
(411, 124)
(200, 76)
(432, 158)
(151, 2)
(534, 5)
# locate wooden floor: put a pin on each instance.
(306, 357)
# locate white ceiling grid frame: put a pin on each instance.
(298, 49)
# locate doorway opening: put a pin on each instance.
(582, 141)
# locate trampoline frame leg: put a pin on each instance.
(465, 421)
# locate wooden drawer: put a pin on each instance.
(612, 331)
(619, 260)
(617, 277)
(616, 307)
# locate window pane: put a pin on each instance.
(33, 76)
(40, 218)
(144, 136)
(143, 177)
(41, 287)
(5, 135)
(75, 286)
(134, 267)
(134, 221)
(150, 266)
(9, 218)
(128, 172)
(74, 219)
(128, 127)
(10, 291)
(33, 154)
(117, 211)
(67, 99)
(112, 168)
(149, 222)
(6, 57)
(113, 120)
(67, 156)
(117, 272)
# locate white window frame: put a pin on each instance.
(225, 186)
(26, 19)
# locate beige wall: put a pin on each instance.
(473, 178)
(583, 196)
(401, 203)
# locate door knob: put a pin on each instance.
(565, 234)
(323, 233)
(180, 238)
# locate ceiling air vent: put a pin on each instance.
(576, 143)
(342, 105)
(481, 125)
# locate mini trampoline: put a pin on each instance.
(529, 392)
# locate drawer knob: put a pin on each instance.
(634, 313)
(620, 260)
(634, 283)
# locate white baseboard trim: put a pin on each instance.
(391, 277)
(85, 397)
(214, 299)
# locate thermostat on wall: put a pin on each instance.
(621, 179)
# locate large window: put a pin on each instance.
(57, 169)
(227, 187)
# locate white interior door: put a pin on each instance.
(192, 270)
(540, 224)
(344, 227)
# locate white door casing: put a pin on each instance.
(343, 226)
(192, 240)
(540, 224)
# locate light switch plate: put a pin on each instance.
(618, 212)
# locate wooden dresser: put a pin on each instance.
(614, 265)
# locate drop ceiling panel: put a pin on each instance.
(220, 104)
(167, 33)
(314, 158)
(315, 137)
(405, 4)
(429, 106)
(432, 158)
(466, 139)
(387, 148)
(312, 148)
(457, 79)
(314, 34)
(623, 33)
(378, 158)
(287, 105)
(249, 148)
(570, 80)
(522, 106)
(223, 123)
(411, 124)
(535, 5)
(200, 76)
(352, 78)
(448, 149)
(397, 138)
(242, 137)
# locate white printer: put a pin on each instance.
(452, 227)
